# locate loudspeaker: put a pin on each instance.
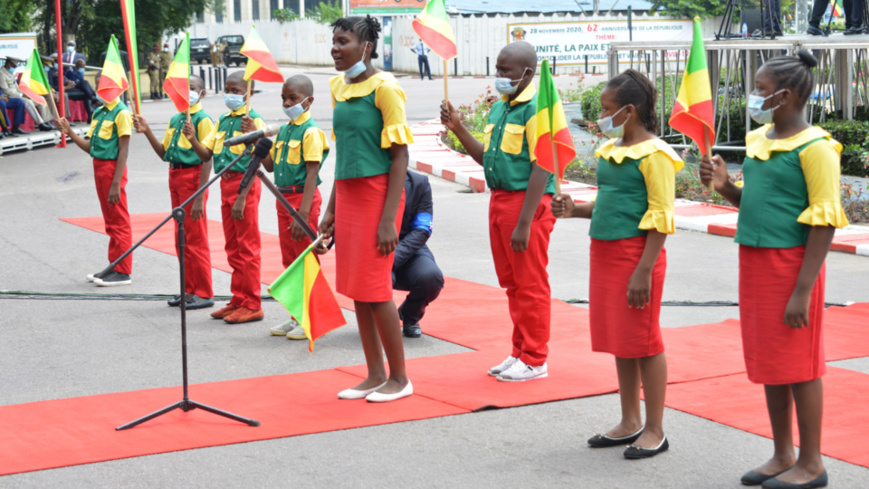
(752, 18)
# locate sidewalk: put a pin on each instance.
(429, 155)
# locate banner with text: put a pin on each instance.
(391, 7)
(575, 43)
(19, 45)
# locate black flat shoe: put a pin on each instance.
(819, 481)
(196, 302)
(412, 330)
(175, 301)
(752, 478)
(18, 130)
(603, 441)
(636, 453)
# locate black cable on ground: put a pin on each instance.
(58, 296)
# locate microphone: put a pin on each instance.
(259, 152)
(265, 132)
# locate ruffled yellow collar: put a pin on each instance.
(638, 151)
(342, 91)
(526, 95)
(758, 146)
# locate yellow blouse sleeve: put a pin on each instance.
(531, 135)
(315, 143)
(211, 139)
(124, 123)
(390, 98)
(258, 123)
(660, 175)
(820, 162)
(167, 138)
(204, 129)
(94, 123)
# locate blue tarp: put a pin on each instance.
(543, 6)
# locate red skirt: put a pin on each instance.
(363, 273)
(616, 328)
(775, 353)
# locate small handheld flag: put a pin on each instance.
(113, 80)
(432, 25)
(555, 149)
(177, 83)
(128, 13)
(693, 114)
(33, 82)
(306, 294)
(260, 64)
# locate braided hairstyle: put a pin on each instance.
(366, 28)
(633, 88)
(794, 73)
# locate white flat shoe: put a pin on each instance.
(357, 394)
(380, 397)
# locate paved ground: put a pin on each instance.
(55, 349)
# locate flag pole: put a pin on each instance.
(247, 103)
(58, 25)
(555, 162)
(54, 106)
(446, 87)
(709, 155)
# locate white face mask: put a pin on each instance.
(295, 111)
(70, 49)
(359, 67)
(755, 108)
(505, 86)
(606, 126)
(194, 97)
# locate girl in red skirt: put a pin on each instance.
(630, 220)
(789, 210)
(367, 202)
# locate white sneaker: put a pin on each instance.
(284, 328)
(494, 371)
(296, 333)
(519, 372)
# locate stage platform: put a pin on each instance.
(36, 139)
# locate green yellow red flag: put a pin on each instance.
(177, 83)
(128, 14)
(552, 127)
(33, 82)
(260, 64)
(432, 25)
(693, 114)
(306, 294)
(113, 80)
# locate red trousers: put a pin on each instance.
(290, 250)
(116, 216)
(197, 255)
(523, 274)
(242, 241)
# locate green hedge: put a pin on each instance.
(854, 136)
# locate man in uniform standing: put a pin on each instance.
(154, 72)
(165, 62)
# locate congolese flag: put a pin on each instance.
(260, 64)
(693, 114)
(177, 82)
(128, 14)
(113, 80)
(306, 294)
(432, 25)
(33, 82)
(552, 126)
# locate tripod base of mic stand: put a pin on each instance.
(188, 405)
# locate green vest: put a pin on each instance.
(358, 125)
(229, 125)
(290, 169)
(177, 154)
(106, 148)
(773, 197)
(507, 158)
(622, 200)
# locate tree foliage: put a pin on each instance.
(326, 12)
(688, 9)
(92, 22)
(15, 15)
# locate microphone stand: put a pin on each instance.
(185, 404)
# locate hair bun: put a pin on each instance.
(373, 23)
(807, 58)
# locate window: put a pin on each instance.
(255, 11)
(275, 5)
(237, 5)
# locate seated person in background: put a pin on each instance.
(11, 127)
(414, 268)
(9, 86)
(78, 88)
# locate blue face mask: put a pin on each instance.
(295, 111)
(70, 49)
(606, 126)
(10, 70)
(505, 86)
(194, 97)
(81, 70)
(756, 111)
(233, 101)
(46, 68)
(359, 67)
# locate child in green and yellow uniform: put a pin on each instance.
(789, 209)
(187, 173)
(240, 212)
(109, 133)
(300, 148)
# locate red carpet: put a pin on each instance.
(846, 419)
(704, 361)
